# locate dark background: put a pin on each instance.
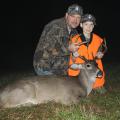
(23, 22)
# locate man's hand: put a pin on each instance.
(99, 55)
(73, 47)
(75, 54)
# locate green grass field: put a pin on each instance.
(94, 107)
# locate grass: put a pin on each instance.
(94, 107)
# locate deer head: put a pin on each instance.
(88, 75)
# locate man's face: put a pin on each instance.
(73, 21)
(87, 27)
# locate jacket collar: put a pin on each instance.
(84, 39)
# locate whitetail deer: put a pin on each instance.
(42, 89)
(38, 89)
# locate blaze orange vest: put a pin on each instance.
(89, 53)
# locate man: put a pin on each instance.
(51, 55)
(90, 50)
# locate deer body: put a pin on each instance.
(38, 90)
(42, 89)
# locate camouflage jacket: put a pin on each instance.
(52, 49)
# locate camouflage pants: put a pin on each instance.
(39, 71)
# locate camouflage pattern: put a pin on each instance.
(52, 50)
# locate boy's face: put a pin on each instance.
(87, 27)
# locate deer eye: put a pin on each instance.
(88, 65)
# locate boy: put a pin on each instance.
(89, 50)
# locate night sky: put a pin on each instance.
(23, 22)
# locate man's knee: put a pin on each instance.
(40, 71)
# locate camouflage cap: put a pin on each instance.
(88, 17)
(75, 9)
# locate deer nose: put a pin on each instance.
(99, 74)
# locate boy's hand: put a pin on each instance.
(99, 55)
